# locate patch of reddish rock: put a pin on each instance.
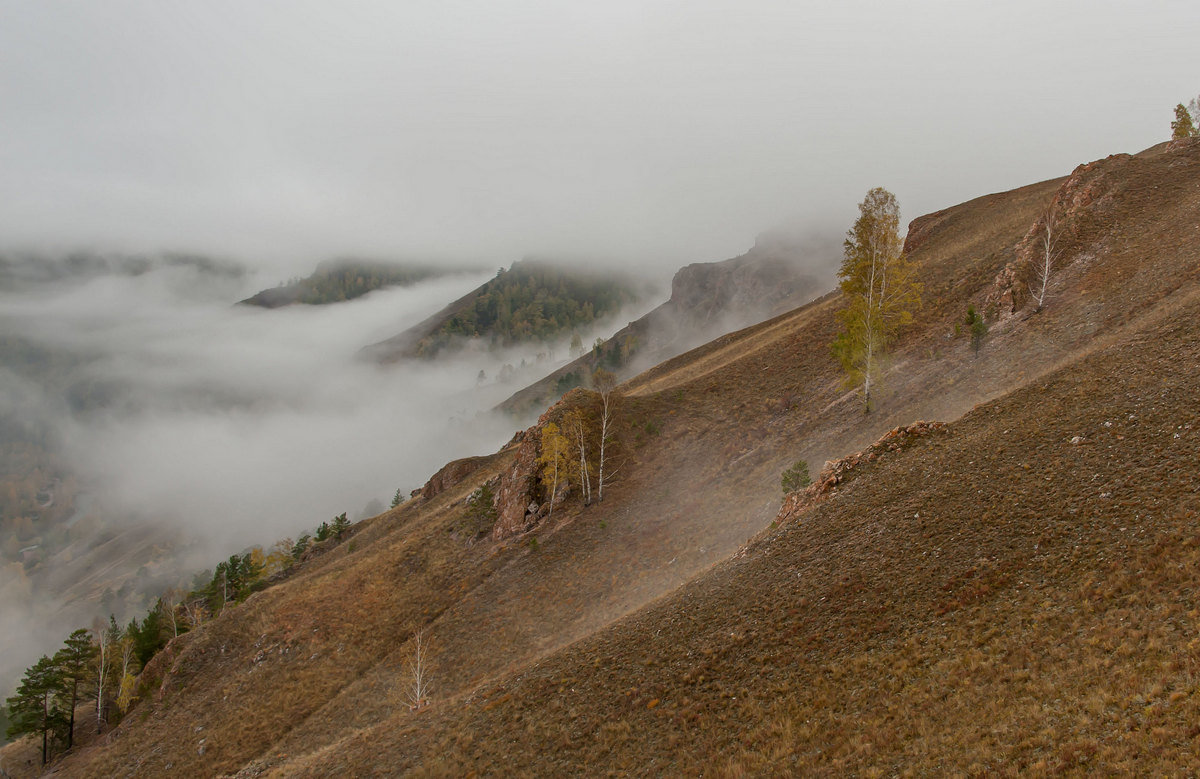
(836, 472)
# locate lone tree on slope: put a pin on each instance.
(1043, 264)
(1183, 126)
(605, 383)
(880, 288)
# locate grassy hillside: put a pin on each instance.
(998, 598)
(1011, 593)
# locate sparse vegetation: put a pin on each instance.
(1009, 596)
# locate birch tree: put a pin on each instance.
(126, 693)
(576, 429)
(170, 604)
(553, 459)
(106, 636)
(1043, 263)
(193, 612)
(881, 291)
(605, 383)
(418, 681)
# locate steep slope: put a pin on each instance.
(707, 299)
(302, 678)
(1013, 593)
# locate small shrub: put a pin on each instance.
(978, 328)
(796, 477)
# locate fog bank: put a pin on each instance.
(665, 132)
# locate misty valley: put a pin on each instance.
(533, 389)
(151, 428)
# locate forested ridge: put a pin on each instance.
(532, 301)
(340, 280)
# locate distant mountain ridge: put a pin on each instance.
(534, 300)
(20, 269)
(335, 281)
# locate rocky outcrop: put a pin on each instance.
(520, 503)
(921, 228)
(516, 508)
(451, 473)
(836, 472)
(1081, 205)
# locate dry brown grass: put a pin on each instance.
(862, 640)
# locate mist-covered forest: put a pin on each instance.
(533, 301)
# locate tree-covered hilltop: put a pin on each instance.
(340, 280)
(532, 301)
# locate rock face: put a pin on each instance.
(835, 472)
(451, 473)
(1082, 203)
(516, 510)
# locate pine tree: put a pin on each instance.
(978, 327)
(74, 663)
(880, 288)
(36, 707)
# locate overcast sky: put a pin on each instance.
(638, 129)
